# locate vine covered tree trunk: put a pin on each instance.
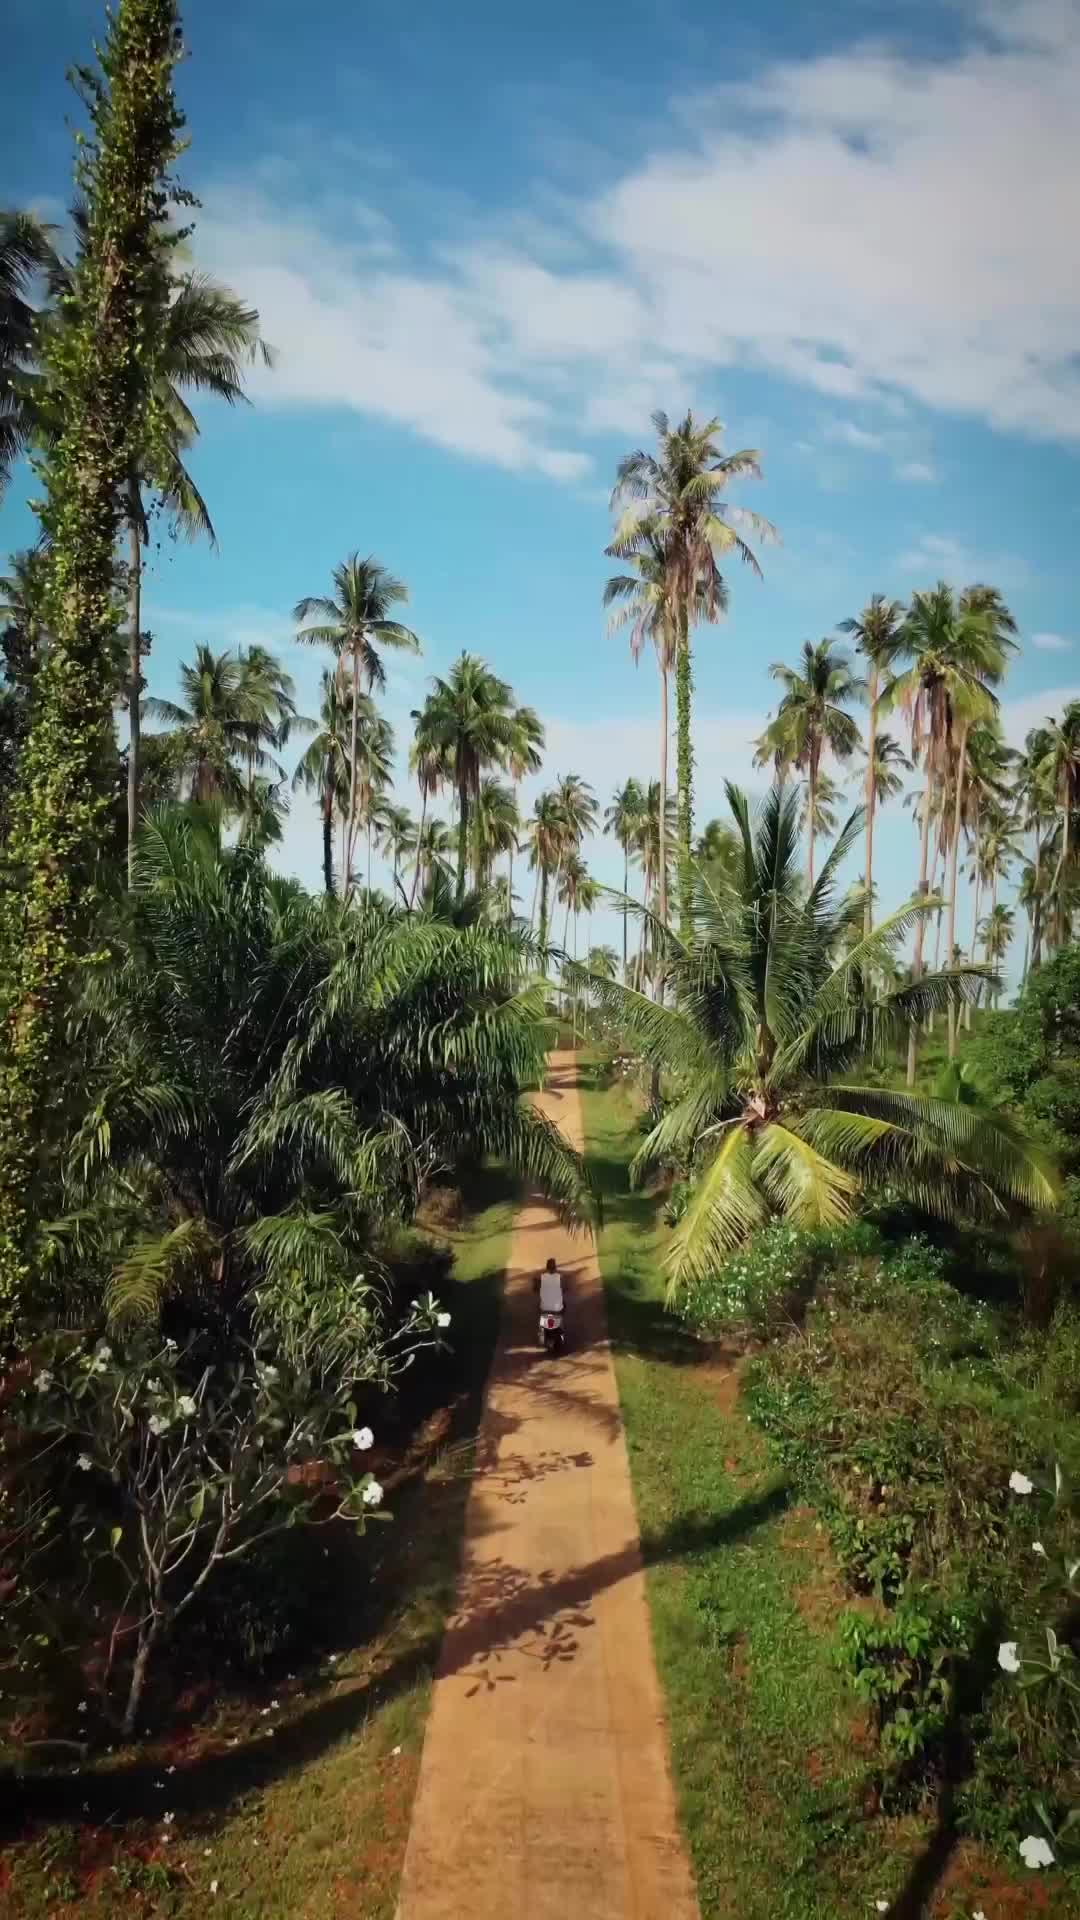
(920, 925)
(684, 754)
(99, 378)
(625, 887)
(350, 837)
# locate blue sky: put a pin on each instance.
(487, 241)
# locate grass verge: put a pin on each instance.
(773, 1761)
(291, 1801)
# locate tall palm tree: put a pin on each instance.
(398, 837)
(655, 846)
(766, 1031)
(547, 846)
(496, 825)
(374, 765)
(525, 756)
(355, 621)
(957, 653)
(672, 506)
(27, 257)
(828, 795)
(1061, 772)
(877, 632)
(227, 719)
(1036, 800)
(472, 729)
(812, 717)
(323, 768)
(432, 856)
(426, 764)
(641, 602)
(623, 818)
(997, 933)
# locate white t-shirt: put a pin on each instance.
(551, 1295)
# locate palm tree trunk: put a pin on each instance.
(368, 823)
(536, 893)
(920, 925)
(974, 923)
(1036, 907)
(1059, 869)
(542, 930)
(871, 796)
(684, 691)
(134, 671)
(810, 820)
(663, 790)
(328, 840)
(510, 884)
(625, 885)
(950, 936)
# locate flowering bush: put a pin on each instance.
(178, 1460)
(766, 1286)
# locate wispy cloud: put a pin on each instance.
(941, 556)
(1051, 642)
(918, 472)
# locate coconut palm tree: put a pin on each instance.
(1035, 801)
(496, 825)
(641, 602)
(877, 632)
(426, 765)
(765, 1035)
(432, 856)
(470, 724)
(672, 507)
(547, 836)
(397, 837)
(227, 718)
(1061, 773)
(524, 757)
(623, 818)
(374, 764)
(890, 768)
(957, 651)
(27, 258)
(355, 621)
(997, 932)
(323, 768)
(812, 717)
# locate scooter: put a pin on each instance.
(551, 1331)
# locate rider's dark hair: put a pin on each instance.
(551, 1263)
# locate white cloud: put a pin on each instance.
(938, 556)
(1051, 642)
(1033, 710)
(880, 225)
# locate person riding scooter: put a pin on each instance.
(549, 1285)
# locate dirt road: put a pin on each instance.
(544, 1788)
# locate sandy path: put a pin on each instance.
(544, 1789)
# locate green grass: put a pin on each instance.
(771, 1756)
(309, 1823)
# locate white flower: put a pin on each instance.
(168, 1818)
(103, 1353)
(213, 1886)
(363, 1438)
(882, 1906)
(43, 1380)
(170, 1346)
(978, 1914)
(153, 1386)
(1008, 1658)
(1036, 1852)
(1019, 1483)
(186, 1405)
(1037, 1547)
(373, 1494)
(82, 1706)
(268, 1375)
(159, 1424)
(442, 1319)
(84, 1461)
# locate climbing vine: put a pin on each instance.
(97, 355)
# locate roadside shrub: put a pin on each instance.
(767, 1285)
(905, 1669)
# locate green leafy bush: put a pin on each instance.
(769, 1283)
(904, 1668)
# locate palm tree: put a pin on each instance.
(432, 856)
(673, 509)
(225, 716)
(355, 621)
(267, 684)
(1035, 800)
(470, 723)
(323, 768)
(398, 834)
(644, 607)
(1061, 772)
(997, 933)
(827, 798)
(26, 257)
(812, 716)
(765, 1034)
(524, 757)
(877, 632)
(655, 846)
(547, 845)
(624, 818)
(496, 825)
(426, 764)
(957, 652)
(374, 764)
